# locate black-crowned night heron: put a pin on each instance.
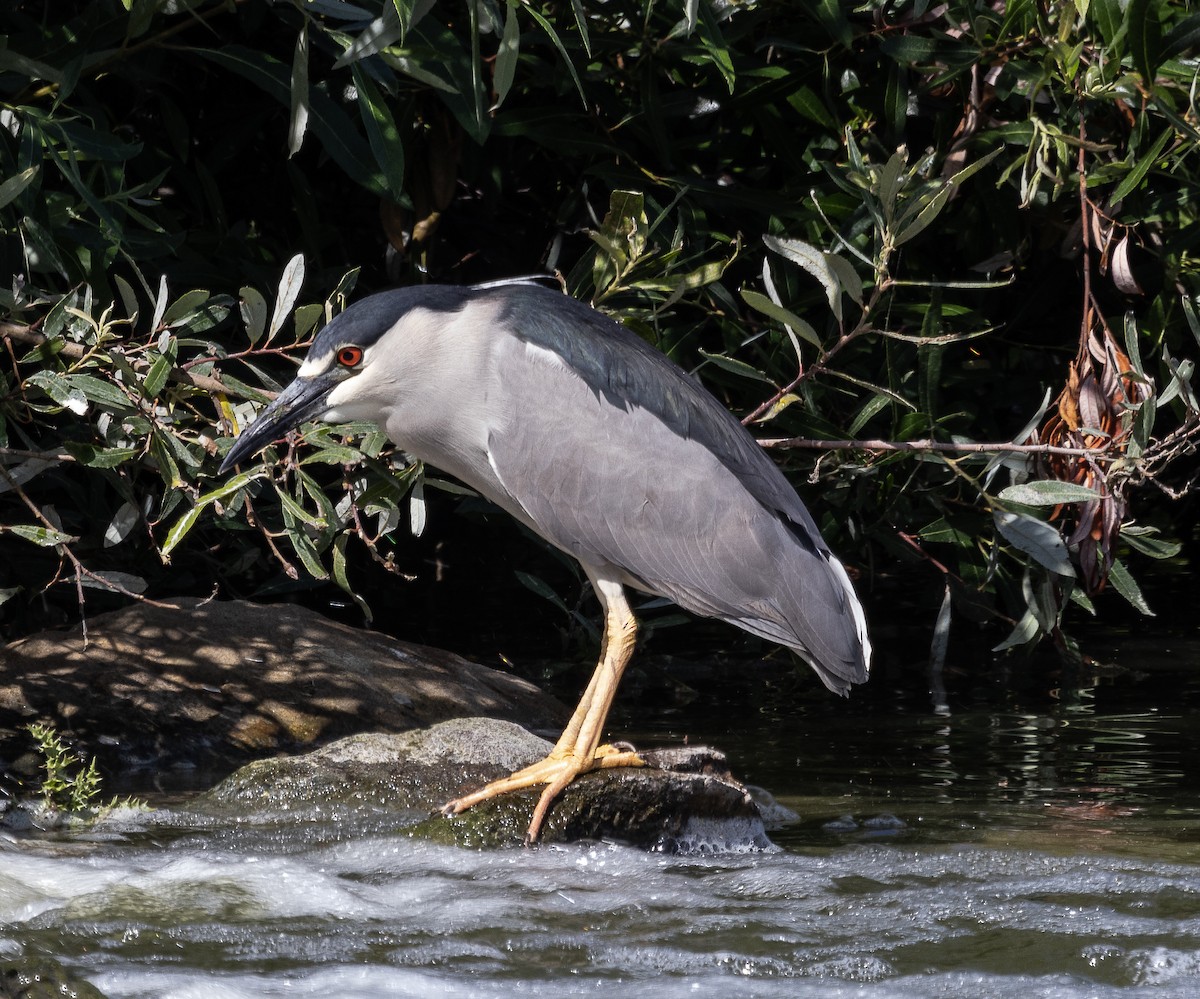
(606, 449)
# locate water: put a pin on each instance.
(978, 842)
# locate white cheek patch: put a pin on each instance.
(314, 366)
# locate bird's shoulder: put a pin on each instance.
(620, 366)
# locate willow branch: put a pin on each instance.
(76, 351)
(929, 445)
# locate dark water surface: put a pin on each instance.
(1032, 834)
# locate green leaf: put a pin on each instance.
(253, 307)
(806, 101)
(1125, 585)
(714, 45)
(185, 523)
(1109, 17)
(924, 217)
(99, 457)
(732, 364)
(12, 188)
(185, 305)
(157, 376)
(760, 302)
(548, 28)
(1144, 540)
(43, 536)
(377, 36)
(298, 120)
(309, 556)
(505, 68)
(289, 290)
(382, 133)
(342, 580)
(1145, 37)
(99, 391)
(1135, 176)
(833, 19)
(1026, 631)
(864, 415)
(1036, 539)
(815, 263)
(1047, 492)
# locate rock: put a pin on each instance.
(210, 685)
(41, 978)
(684, 801)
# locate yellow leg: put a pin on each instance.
(578, 749)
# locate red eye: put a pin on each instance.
(350, 357)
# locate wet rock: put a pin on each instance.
(41, 978)
(210, 685)
(685, 800)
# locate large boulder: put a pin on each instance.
(208, 685)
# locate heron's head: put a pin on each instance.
(349, 360)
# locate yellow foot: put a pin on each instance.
(556, 771)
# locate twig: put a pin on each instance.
(76, 351)
(928, 445)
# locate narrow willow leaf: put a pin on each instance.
(581, 24)
(289, 291)
(185, 523)
(760, 302)
(375, 37)
(1125, 585)
(253, 308)
(1144, 541)
(733, 365)
(847, 277)
(124, 521)
(548, 28)
(1024, 633)
(925, 217)
(1036, 539)
(128, 298)
(301, 515)
(160, 304)
(382, 133)
(309, 556)
(506, 55)
(12, 188)
(1137, 174)
(109, 579)
(973, 168)
(343, 581)
(157, 376)
(813, 261)
(184, 306)
(44, 536)
(1047, 492)
(298, 121)
(863, 417)
(97, 457)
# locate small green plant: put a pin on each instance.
(70, 785)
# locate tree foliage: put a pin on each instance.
(943, 257)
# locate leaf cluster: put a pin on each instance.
(886, 226)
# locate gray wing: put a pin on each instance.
(632, 466)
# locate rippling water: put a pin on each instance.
(1049, 848)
